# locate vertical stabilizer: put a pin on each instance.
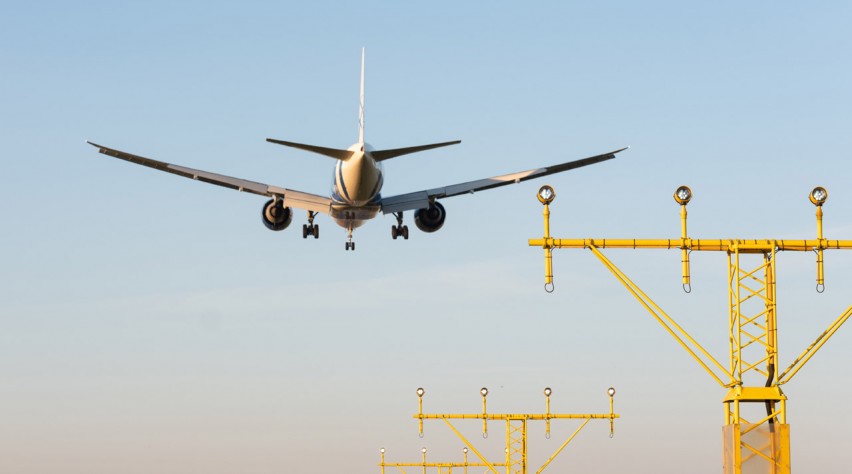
(361, 111)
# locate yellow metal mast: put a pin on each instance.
(515, 461)
(756, 434)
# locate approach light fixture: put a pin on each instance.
(547, 391)
(546, 194)
(465, 449)
(818, 196)
(483, 391)
(682, 195)
(420, 392)
(423, 450)
(382, 450)
(611, 392)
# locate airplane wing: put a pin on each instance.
(421, 199)
(297, 199)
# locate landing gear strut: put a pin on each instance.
(310, 228)
(350, 245)
(399, 229)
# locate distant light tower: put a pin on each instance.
(516, 435)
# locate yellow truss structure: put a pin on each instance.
(761, 442)
(515, 461)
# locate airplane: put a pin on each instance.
(356, 191)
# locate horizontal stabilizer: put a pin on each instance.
(381, 155)
(331, 152)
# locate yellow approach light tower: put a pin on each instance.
(515, 461)
(756, 434)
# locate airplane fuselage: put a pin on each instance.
(356, 188)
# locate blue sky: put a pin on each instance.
(152, 324)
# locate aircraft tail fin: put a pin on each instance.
(361, 109)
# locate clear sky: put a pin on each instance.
(152, 324)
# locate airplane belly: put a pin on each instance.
(352, 216)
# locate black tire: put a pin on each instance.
(304, 231)
(405, 232)
(353, 246)
(394, 232)
(347, 245)
(316, 231)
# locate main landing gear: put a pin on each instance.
(399, 229)
(350, 245)
(310, 228)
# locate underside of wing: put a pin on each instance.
(422, 199)
(297, 199)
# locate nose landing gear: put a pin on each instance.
(399, 229)
(310, 228)
(350, 245)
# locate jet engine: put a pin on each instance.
(275, 215)
(431, 218)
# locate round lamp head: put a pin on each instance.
(818, 196)
(420, 392)
(546, 194)
(682, 195)
(465, 449)
(547, 391)
(423, 450)
(483, 391)
(611, 392)
(382, 450)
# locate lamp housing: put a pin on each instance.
(818, 196)
(546, 194)
(682, 195)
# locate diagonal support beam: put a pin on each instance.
(472, 448)
(814, 347)
(547, 463)
(678, 333)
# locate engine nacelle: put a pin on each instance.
(430, 219)
(276, 216)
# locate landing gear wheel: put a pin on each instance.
(310, 228)
(399, 229)
(349, 243)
